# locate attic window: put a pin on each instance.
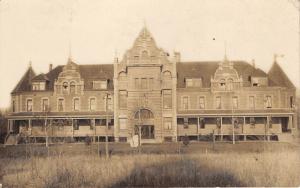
(259, 81)
(193, 82)
(100, 84)
(38, 86)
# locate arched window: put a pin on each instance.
(222, 84)
(230, 84)
(122, 76)
(145, 54)
(65, 87)
(72, 87)
(144, 114)
(167, 75)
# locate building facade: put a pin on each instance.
(158, 97)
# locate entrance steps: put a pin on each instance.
(12, 139)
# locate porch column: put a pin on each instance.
(290, 125)
(72, 127)
(30, 127)
(243, 128)
(198, 128)
(221, 129)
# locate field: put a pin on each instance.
(199, 164)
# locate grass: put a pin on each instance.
(247, 164)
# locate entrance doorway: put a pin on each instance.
(147, 131)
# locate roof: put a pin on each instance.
(206, 69)
(278, 76)
(40, 77)
(88, 73)
(61, 114)
(25, 82)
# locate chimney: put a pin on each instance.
(177, 57)
(50, 67)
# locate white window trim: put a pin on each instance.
(92, 97)
(126, 124)
(215, 102)
(73, 104)
(198, 102)
(48, 103)
(181, 106)
(265, 99)
(26, 105)
(64, 104)
(106, 102)
(248, 101)
(238, 101)
(171, 94)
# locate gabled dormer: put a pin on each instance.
(226, 77)
(69, 81)
(40, 82)
(145, 50)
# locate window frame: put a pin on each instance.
(27, 106)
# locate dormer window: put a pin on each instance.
(38, 86)
(100, 84)
(222, 84)
(72, 87)
(193, 82)
(259, 81)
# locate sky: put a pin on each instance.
(44, 32)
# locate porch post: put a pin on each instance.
(198, 128)
(30, 127)
(221, 128)
(243, 128)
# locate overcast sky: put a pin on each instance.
(40, 30)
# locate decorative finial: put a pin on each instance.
(275, 56)
(225, 50)
(70, 34)
(30, 63)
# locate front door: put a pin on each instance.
(147, 131)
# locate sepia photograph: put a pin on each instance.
(149, 93)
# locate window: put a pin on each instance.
(167, 99)
(218, 103)
(65, 87)
(189, 83)
(230, 84)
(45, 105)
(137, 83)
(92, 104)
(123, 100)
(123, 123)
(222, 84)
(268, 102)
(201, 102)
(72, 87)
(13, 106)
(61, 105)
(185, 102)
(291, 101)
(235, 102)
(144, 83)
(29, 105)
(38, 86)
(251, 102)
(167, 75)
(194, 82)
(100, 84)
(76, 104)
(145, 54)
(167, 123)
(109, 103)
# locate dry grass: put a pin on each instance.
(270, 168)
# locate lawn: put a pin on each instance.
(199, 164)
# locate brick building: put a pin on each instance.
(154, 95)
